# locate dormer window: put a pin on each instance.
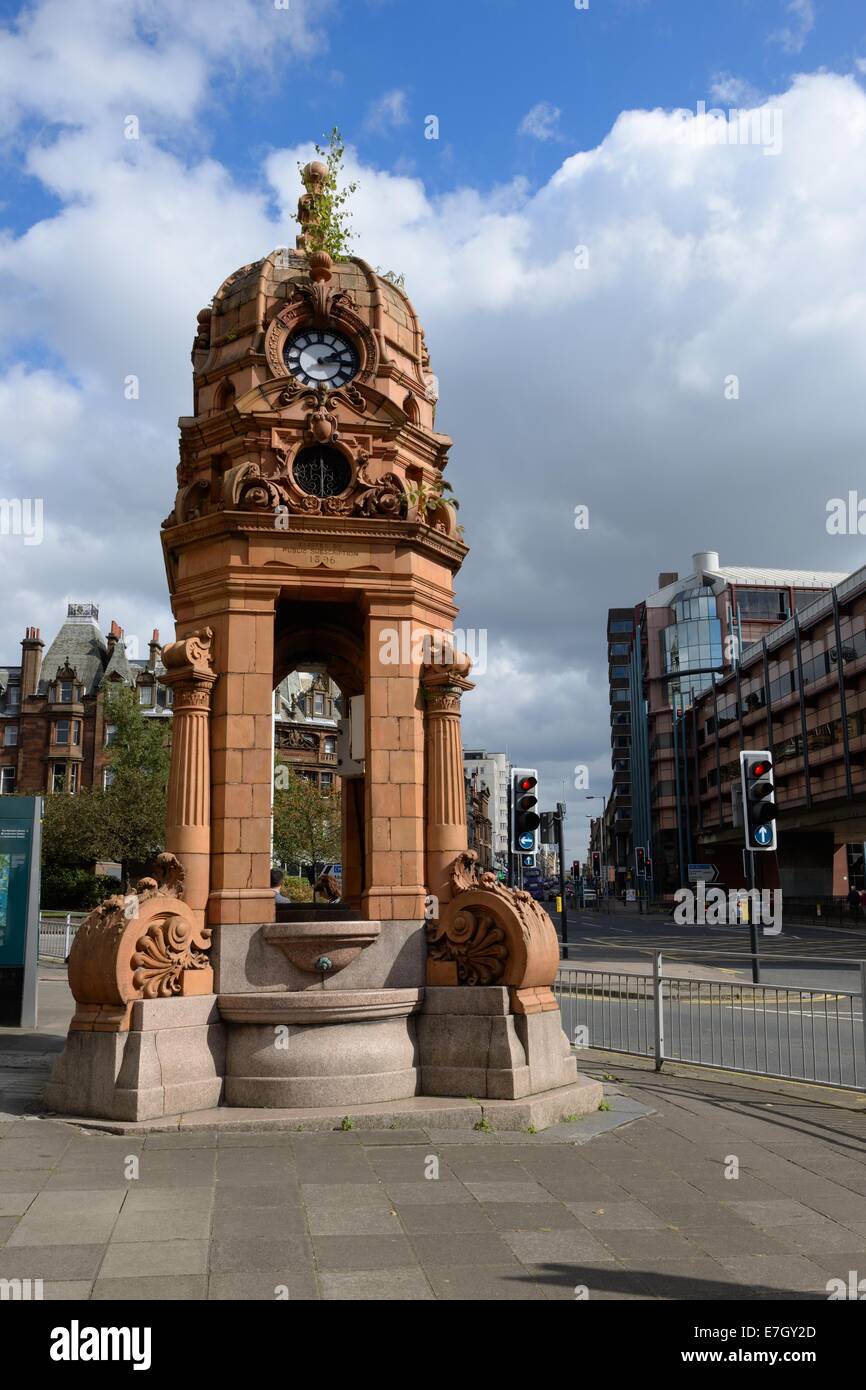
(65, 692)
(145, 695)
(13, 696)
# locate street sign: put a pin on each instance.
(703, 873)
(20, 843)
(528, 861)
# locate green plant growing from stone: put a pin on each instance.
(483, 1125)
(531, 1129)
(604, 1105)
(330, 230)
(569, 1119)
(346, 1123)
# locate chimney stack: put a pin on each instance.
(155, 650)
(32, 648)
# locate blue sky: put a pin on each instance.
(559, 387)
(480, 66)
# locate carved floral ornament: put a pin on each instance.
(247, 488)
(488, 934)
(145, 945)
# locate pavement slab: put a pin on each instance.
(629, 1203)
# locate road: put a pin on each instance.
(807, 1022)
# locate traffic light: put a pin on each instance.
(649, 867)
(640, 855)
(596, 863)
(548, 828)
(575, 869)
(759, 799)
(525, 818)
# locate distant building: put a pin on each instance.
(494, 771)
(478, 823)
(54, 736)
(307, 708)
(661, 653)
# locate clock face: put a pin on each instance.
(315, 355)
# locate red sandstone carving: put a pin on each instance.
(146, 945)
(491, 935)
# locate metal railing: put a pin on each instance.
(56, 935)
(791, 1031)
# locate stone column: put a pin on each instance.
(187, 833)
(443, 686)
(242, 758)
(394, 761)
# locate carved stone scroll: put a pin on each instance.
(488, 934)
(147, 945)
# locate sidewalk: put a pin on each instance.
(630, 1203)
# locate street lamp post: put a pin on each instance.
(603, 800)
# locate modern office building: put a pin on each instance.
(800, 692)
(661, 654)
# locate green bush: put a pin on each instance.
(66, 889)
(298, 889)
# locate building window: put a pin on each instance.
(110, 734)
(73, 778)
(326, 781)
(107, 778)
(13, 696)
(61, 731)
(766, 604)
(58, 777)
(145, 695)
(319, 704)
(7, 781)
(64, 692)
(622, 625)
(10, 735)
(330, 745)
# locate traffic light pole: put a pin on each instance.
(563, 908)
(753, 925)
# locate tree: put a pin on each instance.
(134, 804)
(330, 229)
(307, 822)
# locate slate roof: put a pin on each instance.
(81, 643)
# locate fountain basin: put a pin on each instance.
(305, 944)
(301, 1049)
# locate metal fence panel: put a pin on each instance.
(788, 1031)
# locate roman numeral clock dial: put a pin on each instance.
(315, 356)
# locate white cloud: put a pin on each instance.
(560, 386)
(736, 91)
(389, 112)
(792, 37)
(542, 122)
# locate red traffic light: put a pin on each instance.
(760, 769)
(525, 784)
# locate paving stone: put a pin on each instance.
(615, 1216)
(291, 1285)
(168, 1199)
(71, 1290)
(576, 1247)
(352, 1221)
(530, 1216)
(483, 1283)
(251, 1254)
(467, 1248)
(15, 1203)
(151, 1288)
(133, 1259)
(431, 1218)
(362, 1252)
(435, 1192)
(278, 1222)
(776, 1272)
(376, 1285)
(346, 1195)
(179, 1224)
(57, 1262)
(523, 1192)
(55, 1220)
